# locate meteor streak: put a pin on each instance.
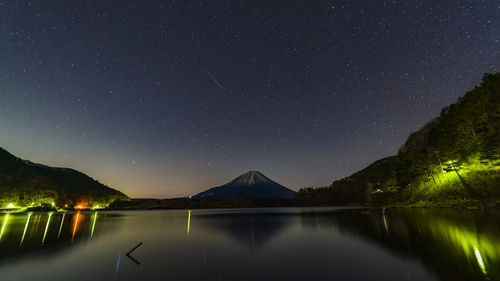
(215, 81)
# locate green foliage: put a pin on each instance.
(464, 142)
(23, 182)
(454, 156)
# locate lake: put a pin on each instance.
(252, 244)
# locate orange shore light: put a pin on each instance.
(75, 225)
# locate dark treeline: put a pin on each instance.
(151, 204)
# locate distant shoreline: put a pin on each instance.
(179, 204)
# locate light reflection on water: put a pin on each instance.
(252, 244)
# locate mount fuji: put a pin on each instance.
(251, 185)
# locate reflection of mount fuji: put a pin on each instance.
(253, 230)
(45, 234)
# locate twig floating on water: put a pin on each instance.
(133, 249)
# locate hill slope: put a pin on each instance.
(457, 154)
(454, 156)
(251, 185)
(356, 188)
(23, 182)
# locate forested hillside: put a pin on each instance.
(357, 188)
(23, 183)
(457, 154)
(454, 156)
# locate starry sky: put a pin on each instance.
(168, 98)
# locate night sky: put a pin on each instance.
(167, 98)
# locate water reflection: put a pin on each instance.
(3, 226)
(456, 245)
(25, 228)
(46, 228)
(75, 225)
(24, 233)
(189, 221)
(252, 230)
(93, 225)
(256, 244)
(60, 226)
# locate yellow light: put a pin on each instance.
(480, 261)
(93, 225)
(82, 205)
(386, 226)
(10, 206)
(53, 204)
(46, 228)
(76, 224)
(60, 227)
(25, 228)
(4, 223)
(189, 221)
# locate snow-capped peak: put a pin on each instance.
(250, 178)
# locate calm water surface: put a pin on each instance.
(252, 244)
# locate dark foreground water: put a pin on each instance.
(253, 244)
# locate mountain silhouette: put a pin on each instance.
(251, 185)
